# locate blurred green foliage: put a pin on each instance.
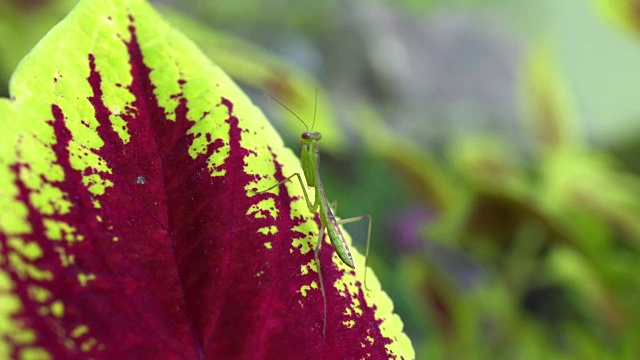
(493, 245)
(22, 25)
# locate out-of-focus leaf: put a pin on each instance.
(547, 101)
(590, 182)
(596, 62)
(129, 222)
(579, 275)
(622, 13)
(488, 165)
(426, 177)
(254, 66)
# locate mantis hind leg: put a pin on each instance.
(366, 254)
(324, 295)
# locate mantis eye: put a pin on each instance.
(311, 136)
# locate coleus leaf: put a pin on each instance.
(129, 222)
(252, 65)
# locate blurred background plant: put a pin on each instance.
(494, 142)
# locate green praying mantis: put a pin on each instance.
(310, 160)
